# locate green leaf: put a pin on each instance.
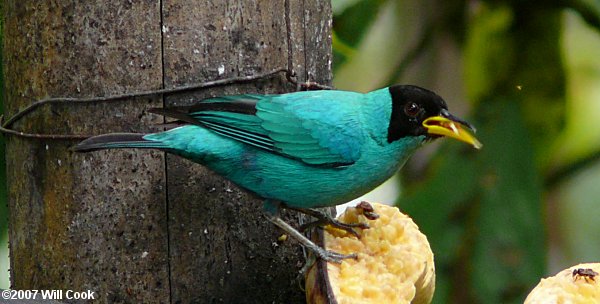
(351, 21)
(509, 249)
(589, 11)
(378, 54)
(436, 204)
(512, 51)
(440, 208)
(351, 25)
(488, 49)
(341, 48)
(339, 6)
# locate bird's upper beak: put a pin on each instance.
(449, 125)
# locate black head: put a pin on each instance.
(417, 111)
(411, 105)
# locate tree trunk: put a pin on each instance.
(136, 225)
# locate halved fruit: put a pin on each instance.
(576, 285)
(394, 264)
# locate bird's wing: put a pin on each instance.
(320, 128)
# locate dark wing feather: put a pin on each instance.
(277, 124)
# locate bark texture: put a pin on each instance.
(136, 225)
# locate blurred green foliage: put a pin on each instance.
(501, 218)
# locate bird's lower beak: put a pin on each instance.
(451, 127)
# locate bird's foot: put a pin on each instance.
(332, 256)
(349, 228)
(324, 219)
(319, 251)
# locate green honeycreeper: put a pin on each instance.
(305, 149)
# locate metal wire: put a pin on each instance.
(6, 127)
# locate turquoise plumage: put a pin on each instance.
(304, 149)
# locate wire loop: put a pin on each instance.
(6, 127)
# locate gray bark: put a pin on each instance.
(136, 225)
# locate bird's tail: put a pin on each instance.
(118, 140)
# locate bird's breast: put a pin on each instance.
(300, 185)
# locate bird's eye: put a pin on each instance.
(412, 109)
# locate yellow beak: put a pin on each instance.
(439, 125)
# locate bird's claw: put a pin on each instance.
(324, 219)
(349, 228)
(335, 257)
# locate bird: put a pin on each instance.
(302, 150)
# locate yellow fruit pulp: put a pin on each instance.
(394, 265)
(566, 287)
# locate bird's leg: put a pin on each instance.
(326, 255)
(323, 218)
